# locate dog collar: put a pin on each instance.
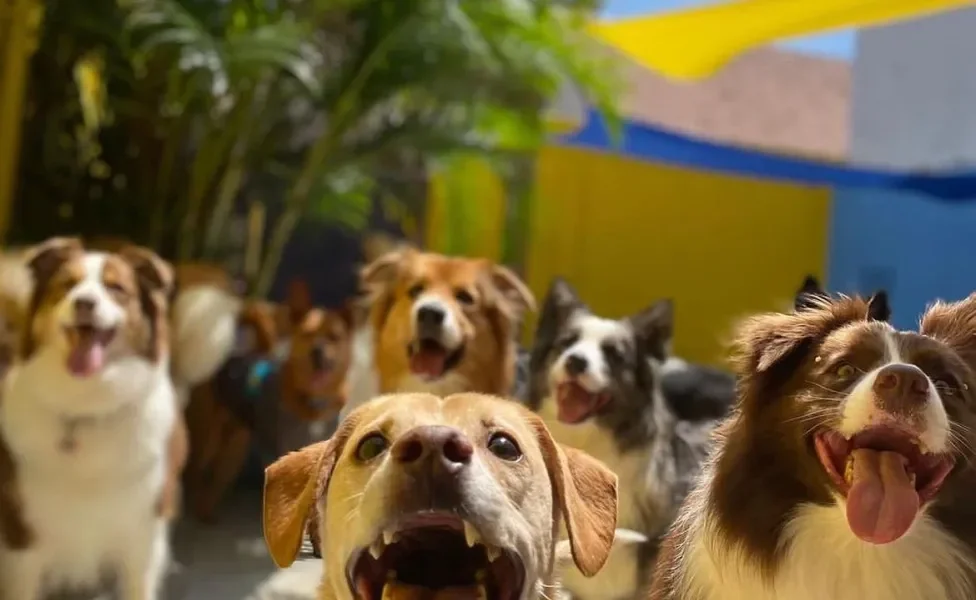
(257, 375)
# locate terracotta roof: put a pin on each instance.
(772, 99)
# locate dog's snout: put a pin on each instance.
(433, 446)
(901, 388)
(84, 305)
(576, 364)
(431, 316)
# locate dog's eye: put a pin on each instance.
(371, 446)
(464, 297)
(845, 371)
(566, 341)
(504, 447)
(415, 290)
(116, 288)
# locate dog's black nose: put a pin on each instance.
(84, 305)
(901, 388)
(433, 446)
(430, 316)
(576, 364)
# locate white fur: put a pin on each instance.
(95, 507)
(204, 328)
(451, 336)
(825, 560)
(363, 380)
(592, 333)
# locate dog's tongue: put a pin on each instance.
(882, 502)
(575, 403)
(428, 361)
(87, 354)
(395, 590)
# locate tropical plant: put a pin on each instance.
(169, 115)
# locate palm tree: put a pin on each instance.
(189, 107)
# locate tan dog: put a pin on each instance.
(431, 498)
(438, 324)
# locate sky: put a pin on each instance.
(835, 45)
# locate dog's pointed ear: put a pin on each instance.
(808, 294)
(513, 289)
(954, 324)
(153, 272)
(560, 303)
(586, 493)
(47, 257)
(878, 307)
(654, 327)
(298, 302)
(292, 485)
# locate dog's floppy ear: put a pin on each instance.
(291, 487)
(766, 340)
(586, 492)
(153, 272)
(383, 271)
(47, 257)
(954, 324)
(512, 289)
(654, 327)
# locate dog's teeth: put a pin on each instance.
(493, 552)
(471, 535)
(849, 470)
(912, 478)
(389, 593)
(376, 549)
(389, 537)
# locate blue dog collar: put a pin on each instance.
(258, 374)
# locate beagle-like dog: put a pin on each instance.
(435, 498)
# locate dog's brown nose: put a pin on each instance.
(433, 445)
(84, 305)
(901, 388)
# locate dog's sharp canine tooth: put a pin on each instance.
(471, 535)
(389, 537)
(492, 552)
(388, 592)
(376, 549)
(849, 469)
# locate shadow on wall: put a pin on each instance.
(917, 248)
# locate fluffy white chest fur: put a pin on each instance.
(91, 508)
(825, 560)
(620, 577)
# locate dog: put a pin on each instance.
(437, 324)
(811, 292)
(845, 472)
(92, 424)
(428, 497)
(596, 384)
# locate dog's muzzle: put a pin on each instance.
(430, 354)
(431, 547)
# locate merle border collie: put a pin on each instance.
(845, 471)
(596, 383)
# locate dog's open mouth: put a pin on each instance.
(87, 345)
(886, 476)
(576, 403)
(435, 557)
(431, 360)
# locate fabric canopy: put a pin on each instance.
(644, 142)
(694, 43)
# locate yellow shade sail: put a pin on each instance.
(694, 43)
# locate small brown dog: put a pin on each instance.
(434, 498)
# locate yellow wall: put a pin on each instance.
(626, 233)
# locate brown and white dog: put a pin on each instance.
(442, 498)
(92, 422)
(845, 472)
(437, 324)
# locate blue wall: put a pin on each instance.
(916, 247)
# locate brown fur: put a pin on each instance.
(488, 321)
(764, 465)
(584, 492)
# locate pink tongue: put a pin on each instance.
(882, 502)
(86, 357)
(575, 403)
(428, 362)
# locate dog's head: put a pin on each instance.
(841, 408)
(319, 351)
(93, 309)
(257, 332)
(811, 294)
(464, 495)
(436, 315)
(595, 367)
